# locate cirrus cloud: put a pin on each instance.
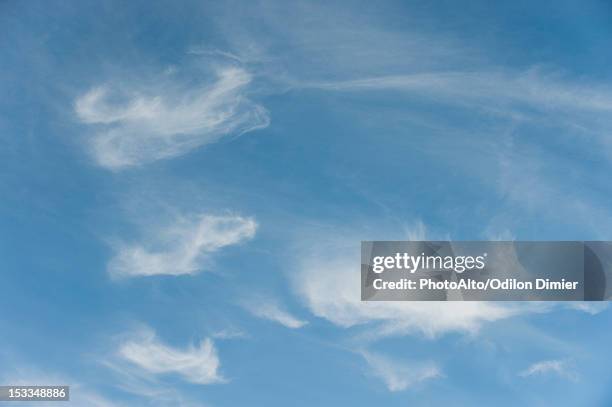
(197, 364)
(181, 247)
(399, 376)
(330, 288)
(133, 127)
(272, 311)
(555, 366)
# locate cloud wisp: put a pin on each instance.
(197, 364)
(325, 282)
(399, 376)
(181, 248)
(545, 367)
(484, 87)
(272, 311)
(328, 287)
(133, 128)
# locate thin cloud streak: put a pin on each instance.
(555, 366)
(330, 291)
(530, 88)
(324, 280)
(270, 310)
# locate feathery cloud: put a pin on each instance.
(558, 367)
(270, 310)
(134, 128)
(196, 364)
(327, 281)
(486, 86)
(330, 289)
(400, 376)
(182, 247)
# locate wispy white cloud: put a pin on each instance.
(333, 41)
(485, 86)
(134, 127)
(230, 333)
(324, 279)
(592, 308)
(270, 310)
(181, 247)
(558, 367)
(200, 50)
(197, 363)
(573, 108)
(399, 376)
(328, 286)
(362, 53)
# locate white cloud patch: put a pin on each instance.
(181, 247)
(270, 310)
(325, 280)
(197, 364)
(330, 289)
(135, 128)
(592, 308)
(230, 333)
(558, 367)
(362, 53)
(399, 376)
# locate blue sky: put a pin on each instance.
(185, 187)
